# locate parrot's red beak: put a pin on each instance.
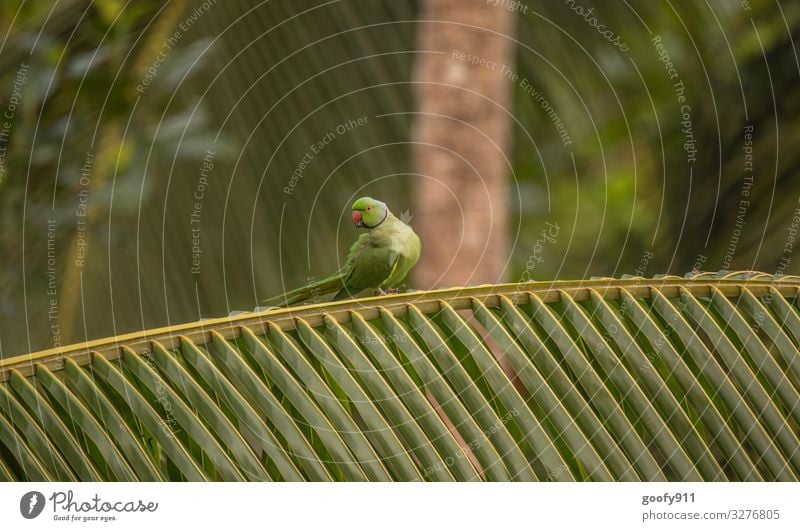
(357, 219)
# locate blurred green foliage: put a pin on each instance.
(189, 119)
(632, 193)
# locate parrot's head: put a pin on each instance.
(368, 213)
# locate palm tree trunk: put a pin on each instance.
(462, 134)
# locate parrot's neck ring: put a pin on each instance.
(385, 215)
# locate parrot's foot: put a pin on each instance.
(392, 291)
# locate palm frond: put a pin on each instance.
(608, 379)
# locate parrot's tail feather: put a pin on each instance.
(343, 294)
(315, 289)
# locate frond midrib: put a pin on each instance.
(199, 332)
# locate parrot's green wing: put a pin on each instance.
(369, 267)
(399, 271)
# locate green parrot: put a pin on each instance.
(379, 260)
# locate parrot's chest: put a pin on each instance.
(386, 255)
(394, 239)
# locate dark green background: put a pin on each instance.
(258, 83)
